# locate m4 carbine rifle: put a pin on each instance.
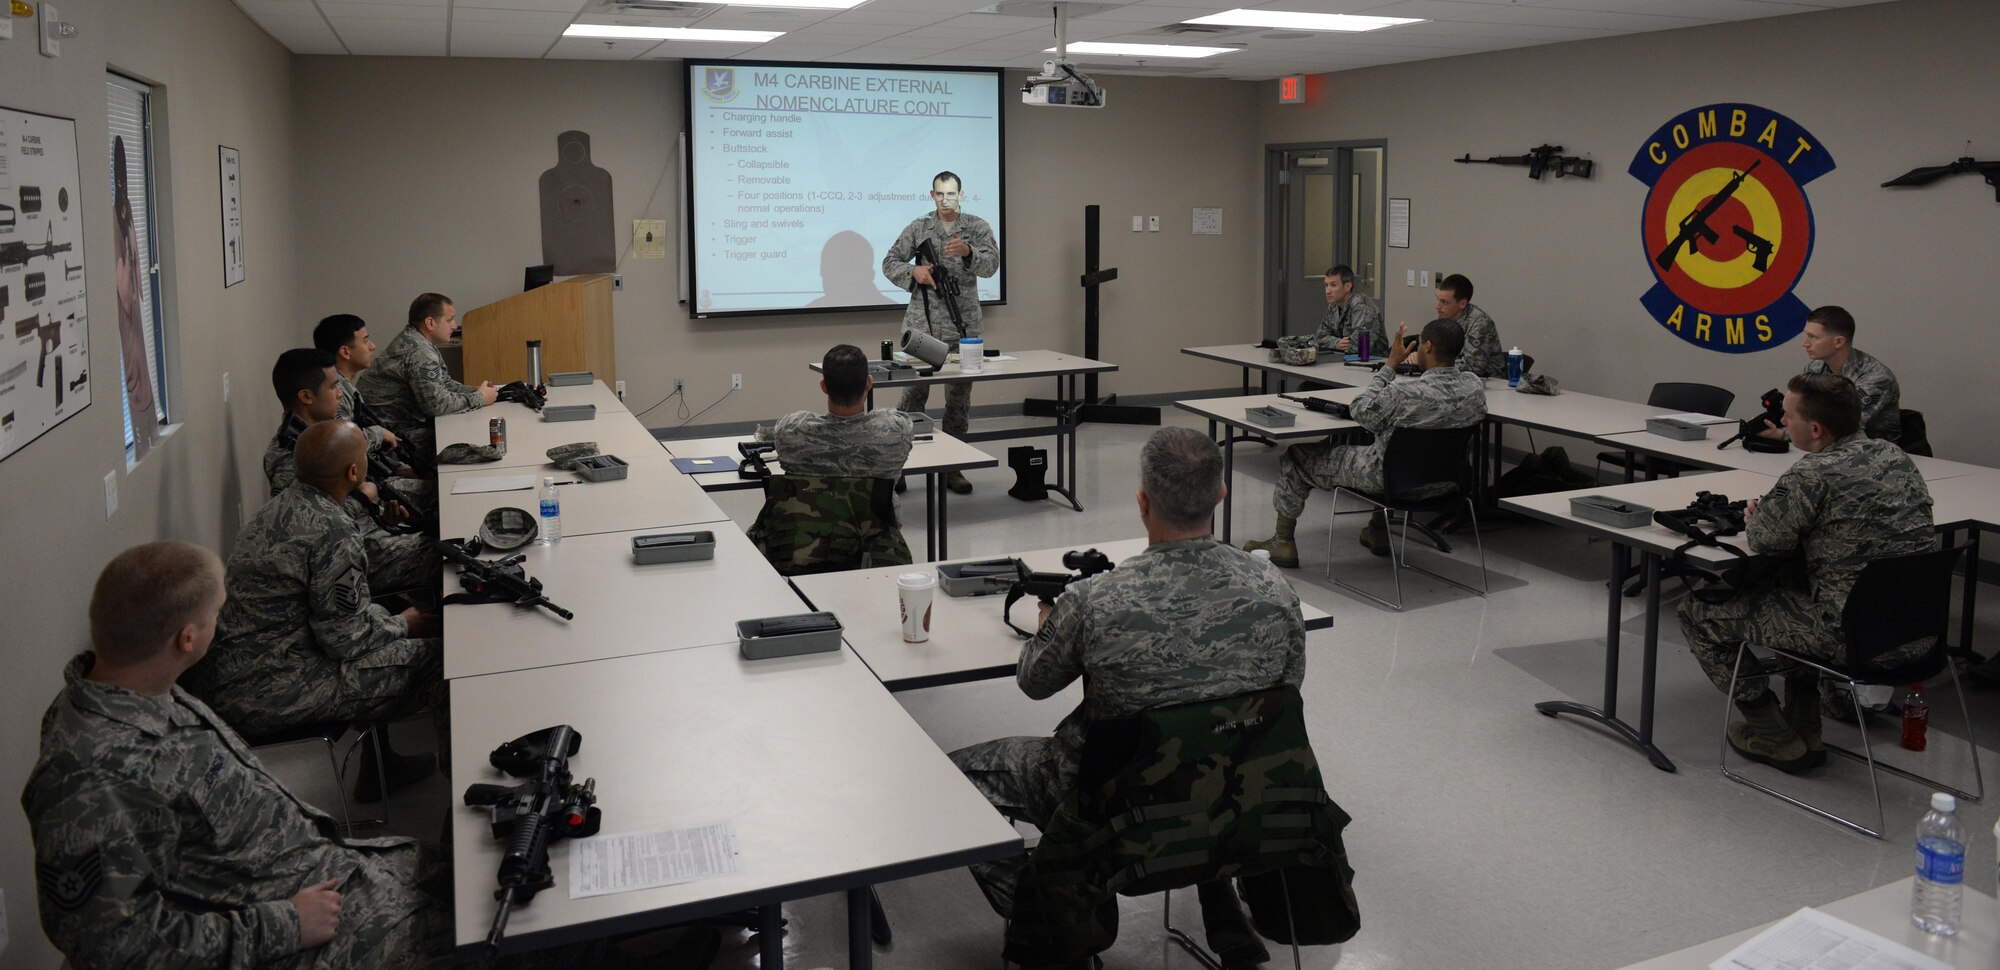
(521, 392)
(546, 806)
(1773, 416)
(1538, 160)
(496, 580)
(1046, 587)
(943, 283)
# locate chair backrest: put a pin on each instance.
(1417, 460)
(1695, 398)
(1178, 796)
(812, 524)
(1914, 436)
(1897, 599)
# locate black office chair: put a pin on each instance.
(1914, 436)
(329, 733)
(1676, 397)
(1895, 600)
(1424, 470)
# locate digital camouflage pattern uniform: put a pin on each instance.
(299, 640)
(1482, 353)
(161, 842)
(927, 314)
(815, 525)
(1860, 499)
(1183, 621)
(1359, 313)
(872, 444)
(351, 404)
(353, 407)
(407, 386)
(395, 561)
(1442, 397)
(1881, 397)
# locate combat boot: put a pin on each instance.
(1284, 552)
(1764, 737)
(957, 482)
(902, 484)
(1802, 712)
(1375, 538)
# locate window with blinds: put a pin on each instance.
(131, 120)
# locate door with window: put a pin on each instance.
(1325, 208)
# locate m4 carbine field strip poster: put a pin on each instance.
(44, 329)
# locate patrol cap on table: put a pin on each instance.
(564, 456)
(464, 454)
(507, 528)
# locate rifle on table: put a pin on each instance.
(495, 580)
(1538, 160)
(943, 283)
(521, 392)
(547, 806)
(1773, 416)
(1694, 226)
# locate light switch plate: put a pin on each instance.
(51, 46)
(1409, 277)
(110, 493)
(1138, 223)
(1423, 277)
(6, 33)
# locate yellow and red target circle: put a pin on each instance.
(1720, 276)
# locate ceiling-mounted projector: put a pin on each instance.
(1061, 85)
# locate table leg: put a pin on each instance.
(1968, 599)
(1228, 484)
(770, 937)
(860, 919)
(933, 491)
(1066, 435)
(937, 525)
(1642, 738)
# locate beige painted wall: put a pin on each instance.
(1886, 87)
(423, 176)
(225, 83)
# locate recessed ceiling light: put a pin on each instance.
(1142, 50)
(618, 32)
(1301, 21)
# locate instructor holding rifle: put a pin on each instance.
(939, 258)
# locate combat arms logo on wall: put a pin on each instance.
(1727, 227)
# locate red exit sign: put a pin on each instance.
(1292, 89)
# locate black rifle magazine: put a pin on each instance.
(786, 636)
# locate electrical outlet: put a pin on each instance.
(225, 387)
(736, 382)
(678, 385)
(110, 492)
(621, 390)
(617, 282)
(1152, 223)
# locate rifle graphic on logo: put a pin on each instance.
(1695, 227)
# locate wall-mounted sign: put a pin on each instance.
(1292, 89)
(1727, 227)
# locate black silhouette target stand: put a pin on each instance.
(1090, 407)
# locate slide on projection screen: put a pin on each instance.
(802, 175)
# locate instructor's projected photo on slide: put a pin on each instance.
(802, 176)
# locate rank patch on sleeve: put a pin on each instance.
(67, 887)
(347, 591)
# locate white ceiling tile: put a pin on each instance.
(396, 47)
(509, 33)
(571, 7)
(480, 15)
(514, 47)
(386, 12)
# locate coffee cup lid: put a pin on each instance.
(914, 580)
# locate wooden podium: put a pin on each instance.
(572, 319)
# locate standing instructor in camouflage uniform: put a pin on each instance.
(965, 250)
(1443, 396)
(407, 385)
(1189, 619)
(160, 841)
(1848, 500)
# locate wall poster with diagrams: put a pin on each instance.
(44, 329)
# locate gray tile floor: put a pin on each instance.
(1484, 834)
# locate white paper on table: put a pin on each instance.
(998, 358)
(1812, 940)
(492, 483)
(616, 862)
(1692, 418)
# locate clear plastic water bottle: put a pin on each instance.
(1514, 361)
(1940, 868)
(551, 514)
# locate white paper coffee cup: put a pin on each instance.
(914, 592)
